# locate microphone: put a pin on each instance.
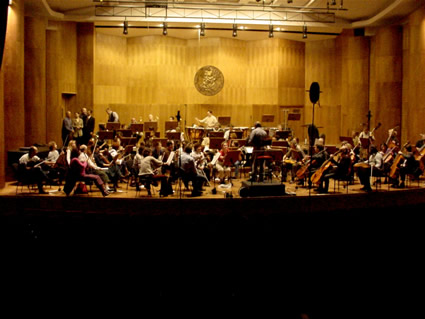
(178, 117)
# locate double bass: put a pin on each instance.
(394, 170)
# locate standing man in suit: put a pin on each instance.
(89, 125)
(67, 128)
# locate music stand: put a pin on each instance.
(267, 118)
(171, 125)
(224, 120)
(125, 141)
(106, 135)
(216, 134)
(112, 126)
(215, 143)
(136, 127)
(149, 125)
(232, 157)
(173, 136)
(125, 132)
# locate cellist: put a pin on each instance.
(339, 168)
(409, 166)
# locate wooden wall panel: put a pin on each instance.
(3, 163)
(323, 65)
(35, 81)
(13, 67)
(85, 62)
(54, 107)
(413, 108)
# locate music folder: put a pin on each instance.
(170, 158)
(215, 158)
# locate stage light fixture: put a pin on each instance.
(202, 31)
(289, 1)
(164, 28)
(235, 30)
(304, 32)
(333, 3)
(10, 2)
(271, 31)
(125, 29)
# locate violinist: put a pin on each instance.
(30, 168)
(292, 160)
(158, 151)
(223, 171)
(339, 168)
(372, 167)
(104, 159)
(200, 161)
(148, 169)
(409, 165)
(92, 168)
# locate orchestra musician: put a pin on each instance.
(210, 121)
(158, 150)
(151, 118)
(189, 172)
(365, 133)
(222, 170)
(409, 165)
(149, 168)
(313, 162)
(372, 167)
(339, 168)
(292, 160)
(29, 164)
(200, 161)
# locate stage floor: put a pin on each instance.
(222, 191)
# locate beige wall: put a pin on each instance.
(155, 74)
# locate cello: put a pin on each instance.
(317, 175)
(394, 167)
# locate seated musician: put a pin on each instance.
(152, 118)
(189, 172)
(292, 160)
(340, 168)
(222, 170)
(200, 161)
(374, 167)
(149, 168)
(158, 150)
(77, 171)
(409, 166)
(104, 159)
(53, 154)
(92, 168)
(29, 166)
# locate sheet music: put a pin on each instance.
(215, 158)
(170, 159)
(249, 149)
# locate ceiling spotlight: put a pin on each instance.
(164, 29)
(289, 1)
(235, 30)
(333, 3)
(342, 4)
(125, 30)
(305, 32)
(202, 32)
(271, 31)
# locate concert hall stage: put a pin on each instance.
(314, 251)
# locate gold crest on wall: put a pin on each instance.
(209, 80)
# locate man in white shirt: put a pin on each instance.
(210, 120)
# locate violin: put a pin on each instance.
(394, 167)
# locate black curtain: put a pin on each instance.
(4, 6)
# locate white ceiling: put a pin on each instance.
(356, 14)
